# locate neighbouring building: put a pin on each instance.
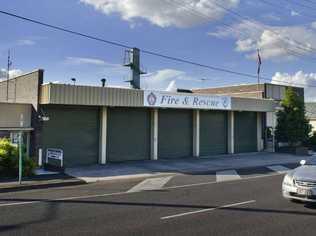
(310, 108)
(98, 125)
(16, 118)
(266, 90)
(258, 91)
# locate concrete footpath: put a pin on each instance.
(39, 182)
(148, 169)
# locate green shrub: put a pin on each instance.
(9, 161)
(312, 141)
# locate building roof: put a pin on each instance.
(310, 108)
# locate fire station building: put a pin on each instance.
(94, 125)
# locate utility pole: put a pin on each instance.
(8, 73)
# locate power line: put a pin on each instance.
(65, 30)
(301, 5)
(278, 8)
(127, 46)
(289, 40)
(201, 14)
(145, 51)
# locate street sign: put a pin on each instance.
(56, 154)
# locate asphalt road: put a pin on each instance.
(186, 205)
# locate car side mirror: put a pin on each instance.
(302, 162)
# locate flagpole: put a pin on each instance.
(258, 72)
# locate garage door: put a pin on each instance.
(245, 128)
(213, 133)
(128, 134)
(175, 133)
(75, 130)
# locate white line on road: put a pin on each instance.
(125, 193)
(18, 203)
(278, 168)
(150, 184)
(206, 210)
(62, 199)
(226, 175)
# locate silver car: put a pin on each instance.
(300, 184)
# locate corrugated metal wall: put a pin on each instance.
(75, 130)
(11, 115)
(91, 96)
(23, 89)
(245, 132)
(213, 132)
(175, 133)
(98, 96)
(128, 134)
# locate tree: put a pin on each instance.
(292, 124)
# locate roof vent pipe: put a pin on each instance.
(103, 81)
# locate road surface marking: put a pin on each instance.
(62, 199)
(206, 210)
(150, 184)
(125, 193)
(278, 168)
(18, 203)
(226, 175)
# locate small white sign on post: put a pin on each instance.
(56, 154)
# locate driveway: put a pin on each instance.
(146, 169)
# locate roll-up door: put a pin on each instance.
(75, 130)
(213, 133)
(175, 133)
(245, 132)
(128, 134)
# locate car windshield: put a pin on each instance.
(311, 162)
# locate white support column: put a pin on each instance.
(28, 141)
(196, 133)
(40, 157)
(154, 135)
(103, 131)
(259, 132)
(231, 135)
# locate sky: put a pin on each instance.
(220, 33)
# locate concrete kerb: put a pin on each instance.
(32, 184)
(161, 168)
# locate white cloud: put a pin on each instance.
(166, 78)
(271, 16)
(165, 13)
(85, 60)
(294, 13)
(275, 42)
(25, 42)
(299, 79)
(12, 73)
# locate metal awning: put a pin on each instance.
(15, 129)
